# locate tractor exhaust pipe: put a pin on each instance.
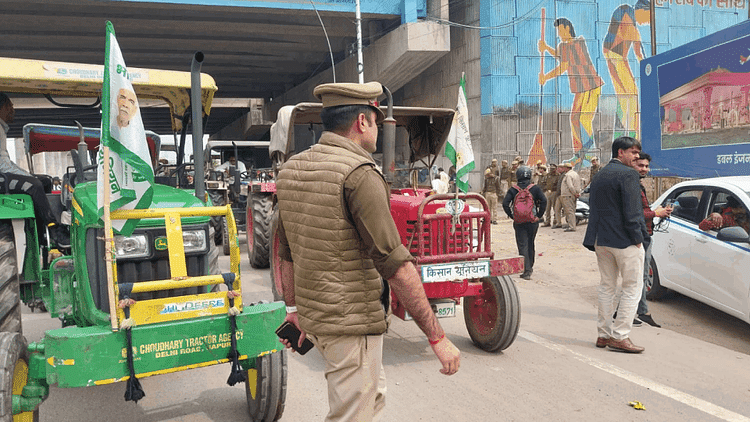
(196, 105)
(83, 148)
(389, 140)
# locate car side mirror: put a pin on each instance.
(733, 234)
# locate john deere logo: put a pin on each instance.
(160, 243)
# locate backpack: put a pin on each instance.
(524, 207)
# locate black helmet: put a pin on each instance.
(523, 173)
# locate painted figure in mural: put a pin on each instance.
(621, 36)
(585, 83)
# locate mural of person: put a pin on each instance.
(621, 37)
(585, 84)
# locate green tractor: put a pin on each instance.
(163, 308)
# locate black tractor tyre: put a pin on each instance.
(493, 318)
(10, 296)
(654, 289)
(266, 391)
(275, 262)
(225, 235)
(262, 221)
(14, 375)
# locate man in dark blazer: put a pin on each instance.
(616, 231)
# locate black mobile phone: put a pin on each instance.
(289, 331)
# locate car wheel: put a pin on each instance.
(654, 290)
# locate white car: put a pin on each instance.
(710, 266)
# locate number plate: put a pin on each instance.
(455, 271)
(444, 309)
(441, 307)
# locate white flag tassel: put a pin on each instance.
(131, 175)
(458, 148)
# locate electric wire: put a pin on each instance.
(330, 50)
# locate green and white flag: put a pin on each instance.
(131, 175)
(458, 148)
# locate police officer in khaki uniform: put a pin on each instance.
(504, 178)
(549, 184)
(491, 189)
(337, 244)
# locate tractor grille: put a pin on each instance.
(437, 241)
(154, 267)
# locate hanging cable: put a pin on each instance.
(330, 50)
(514, 22)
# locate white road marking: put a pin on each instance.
(669, 392)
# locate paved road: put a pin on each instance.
(695, 368)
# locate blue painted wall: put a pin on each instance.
(510, 66)
(409, 10)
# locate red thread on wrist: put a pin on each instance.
(434, 342)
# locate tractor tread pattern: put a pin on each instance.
(10, 297)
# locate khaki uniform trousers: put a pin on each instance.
(557, 210)
(492, 203)
(569, 210)
(355, 375)
(551, 197)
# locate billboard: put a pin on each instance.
(695, 106)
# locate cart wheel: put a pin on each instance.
(493, 318)
(14, 375)
(225, 235)
(262, 220)
(10, 298)
(275, 261)
(266, 387)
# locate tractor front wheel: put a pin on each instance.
(493, 318)
(14, 375)
(266, 387)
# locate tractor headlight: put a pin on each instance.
(135, 246)
(194, 240)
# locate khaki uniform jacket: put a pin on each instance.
(337, 283)
(571, 184)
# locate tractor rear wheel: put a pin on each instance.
(14, 375)
(262, 216)
(266, 387)
(10, 297)
(276, 287)
(493, 318)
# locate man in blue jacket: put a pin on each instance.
(616, 231)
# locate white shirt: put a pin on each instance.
(6, 164)
(225, 167)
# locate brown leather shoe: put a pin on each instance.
(624, 345)
(602, 342)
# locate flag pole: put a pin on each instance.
(109, 241)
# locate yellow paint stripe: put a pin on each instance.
(77, 207)
(166, 371)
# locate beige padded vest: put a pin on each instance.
(337, 288)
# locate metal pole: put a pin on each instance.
(360, 64)
(109, 240)
(389, 140)
(196, 105)
(652, 10)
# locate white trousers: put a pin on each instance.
(628, 264)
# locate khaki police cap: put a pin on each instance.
(339, 94)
